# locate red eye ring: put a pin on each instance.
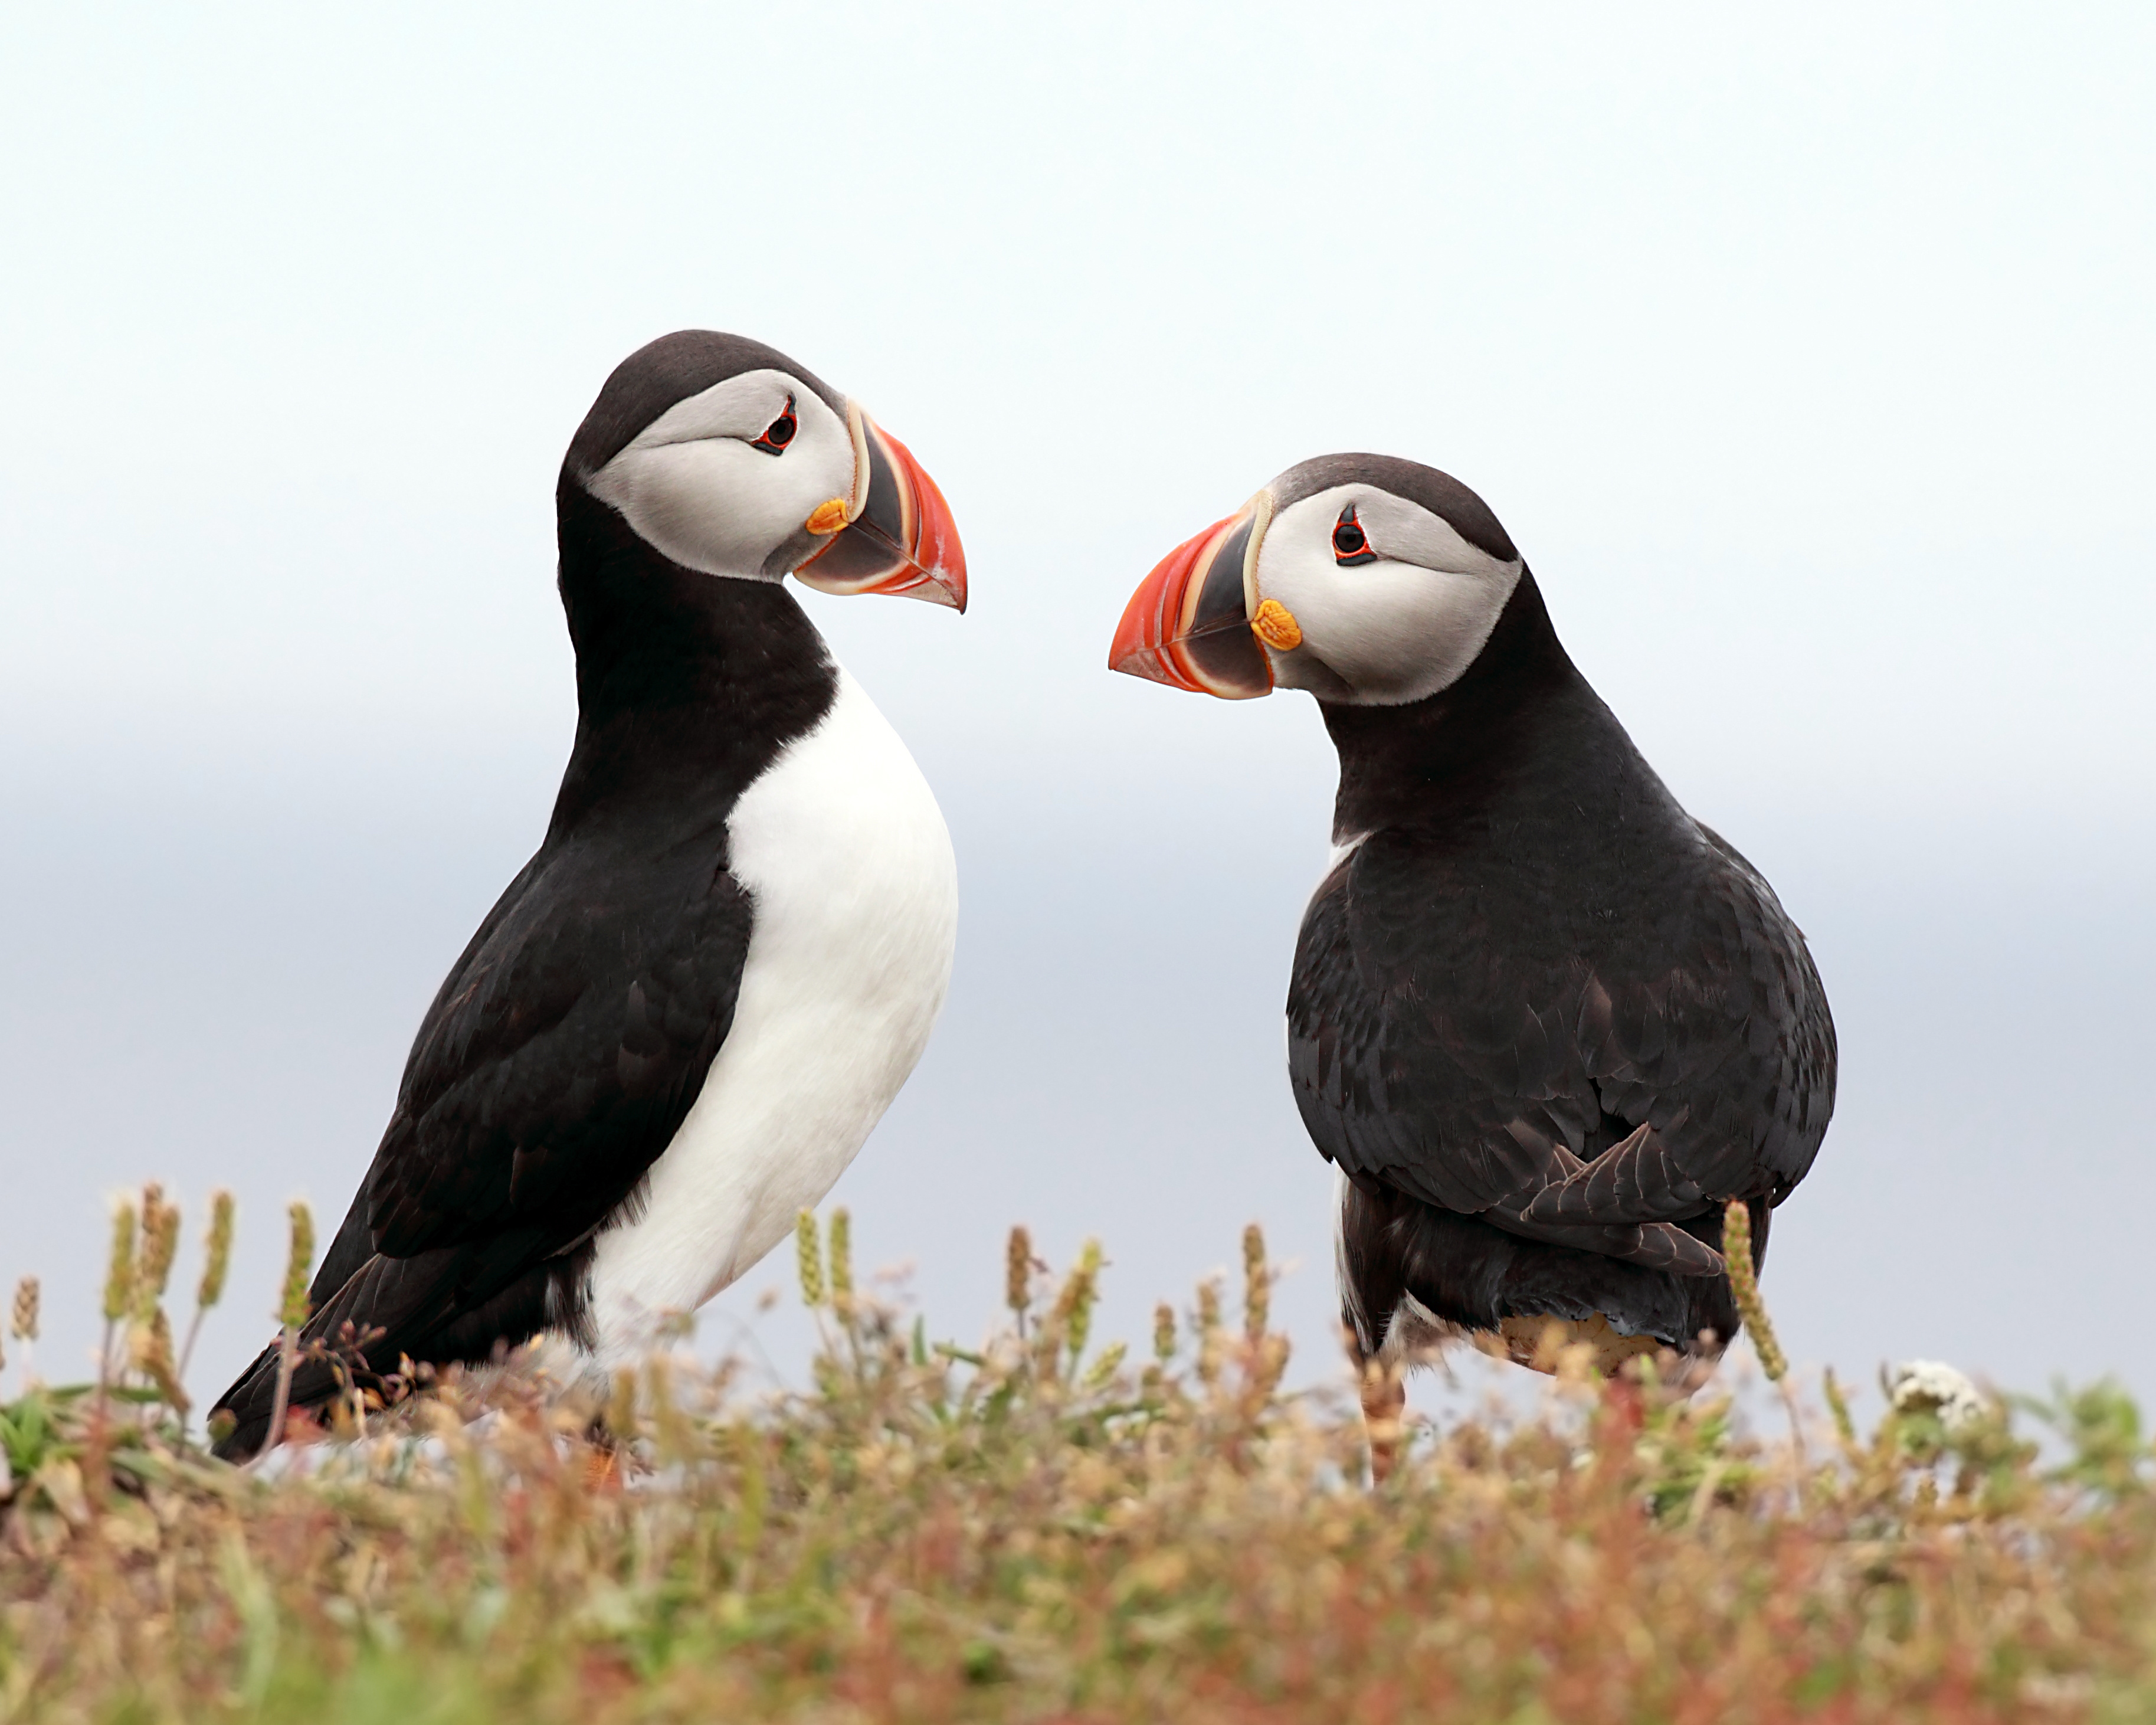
(779, 432)
(1351, 544)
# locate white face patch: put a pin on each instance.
(693, 486)
(1394, 630)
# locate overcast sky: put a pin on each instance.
(1807, 358)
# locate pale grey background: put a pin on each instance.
(1809, 360)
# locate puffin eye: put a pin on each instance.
(1350, 545)
(779, 432)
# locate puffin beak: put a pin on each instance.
(1190, 624)
(894, 535)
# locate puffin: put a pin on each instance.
(679, 1022)
(1544, 1024)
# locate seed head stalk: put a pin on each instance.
(1752, 1307)
(292, 1317)
(1208, 1332)
(23, 1325)
(1018, 1276)
(217, 1261)
(119, 1285)
(1257, 1285)
(1084, 1289)
(119, 1302)
(160, 1241)
(808, 1255)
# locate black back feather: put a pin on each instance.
(1546, 1022)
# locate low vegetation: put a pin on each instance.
(1049, 1529)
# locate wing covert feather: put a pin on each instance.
(564, 1049)
(1553, 1089)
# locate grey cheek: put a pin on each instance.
(794, 550)
(1304, 669)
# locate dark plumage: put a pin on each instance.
(1530, 957)
(567, 1043)
(570, 1040)
(1545, 1023)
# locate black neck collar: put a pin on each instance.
(1393, 759)
(683, 678)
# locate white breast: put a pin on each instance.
(856, 905)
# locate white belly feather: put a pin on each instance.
(846, 855)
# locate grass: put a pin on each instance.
(1047, 1529)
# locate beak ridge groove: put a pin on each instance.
(902, 539)
(1188, 624)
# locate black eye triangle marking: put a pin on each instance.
(779, 432)
(1351, 545)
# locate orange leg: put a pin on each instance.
(602, 1470)
(1385, 1401)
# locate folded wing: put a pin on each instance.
(554, 1067)
(1556, 1095)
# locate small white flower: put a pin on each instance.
(1931, 1385)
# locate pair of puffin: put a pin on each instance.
(1542, 1022)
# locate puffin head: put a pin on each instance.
(1367, 580)
(727, 458)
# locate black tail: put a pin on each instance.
(438, 1308)
(248, 1401)
(1474, 1275)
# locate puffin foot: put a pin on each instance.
(1384, 1403)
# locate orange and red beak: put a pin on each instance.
(1188, 625)
(898, 537)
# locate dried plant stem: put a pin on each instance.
(1939, 1570)
(118, 1287)
(217, 1261)
(1752, 1307)
(23, 1325)
(293, 1314)
(280, 1404)
(152, 1352)
(808, 1256)
(1018, 1276)
(1844, 1424)
(1257, 1285)
(1070, 1320)
(160, 1240)
(842, 1260)
(187, 1347)
(1208, 1332)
